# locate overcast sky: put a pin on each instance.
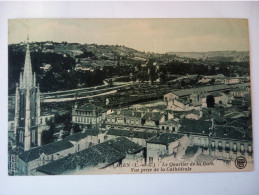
(150, 35)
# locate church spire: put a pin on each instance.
(27, 74)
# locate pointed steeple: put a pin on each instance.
(27, 74)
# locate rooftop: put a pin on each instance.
(47, 149)
(211, 88)
(101, 155)
(126, 133)
(190, 152)
(165, 138)
(230, 132)
(130, 113)
(170, 122)
(179, 113)
(79, 136)
(195, 126)
(155, 116)
(127, 113)
(90, 107)
(214, 94)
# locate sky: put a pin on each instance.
(149, 35)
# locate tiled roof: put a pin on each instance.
(195, 126)
(190, 152)
(126, 133)
(230, 132)
(211, 88)
(234, 115)
(164, 138)
(127, 113)
(90, 107)
(79, 136)
(130, 113)
(170, 122)
(155, 116)
(245, 122)
(180, 113)
(183, 101)
(48, 149)
(123, 145)
(186, 92)
(101, 155)
(219, 120)
(214, 94)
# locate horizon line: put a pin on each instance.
(119, 45)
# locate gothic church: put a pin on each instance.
(27, 107)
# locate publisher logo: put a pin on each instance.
(240, 162)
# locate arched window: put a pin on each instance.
(21, 137)
(33, 136)
(12, 126)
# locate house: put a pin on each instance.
(183, 100)
(130, 119)
(48, 47)
(229, 142)
(191, 153)
(239, 93)
(46, 67)
(219, 98)
(174, 102)
(198, 132)
(124, 119)
(88, 116)
(171, 125)
(187, 94)
(165, 145)
(229, 81)
(29, 160)
(107, 154)
(138, 137)
(153, 119)
(84, 140)
(190, 114)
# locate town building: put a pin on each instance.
(166, 144)
(229, 81)
(111, 153)
(138, 137)
(180, 99)
(171, 125)
(29, 160)
(198, 132)
(229, 142)
(131, 119)
(88, 116)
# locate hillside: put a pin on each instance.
(233, 56)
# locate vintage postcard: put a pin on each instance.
(134, 96)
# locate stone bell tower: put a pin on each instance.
(27, 107)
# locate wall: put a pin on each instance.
(154, 151)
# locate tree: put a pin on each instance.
(76, 128)
(210, 101)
